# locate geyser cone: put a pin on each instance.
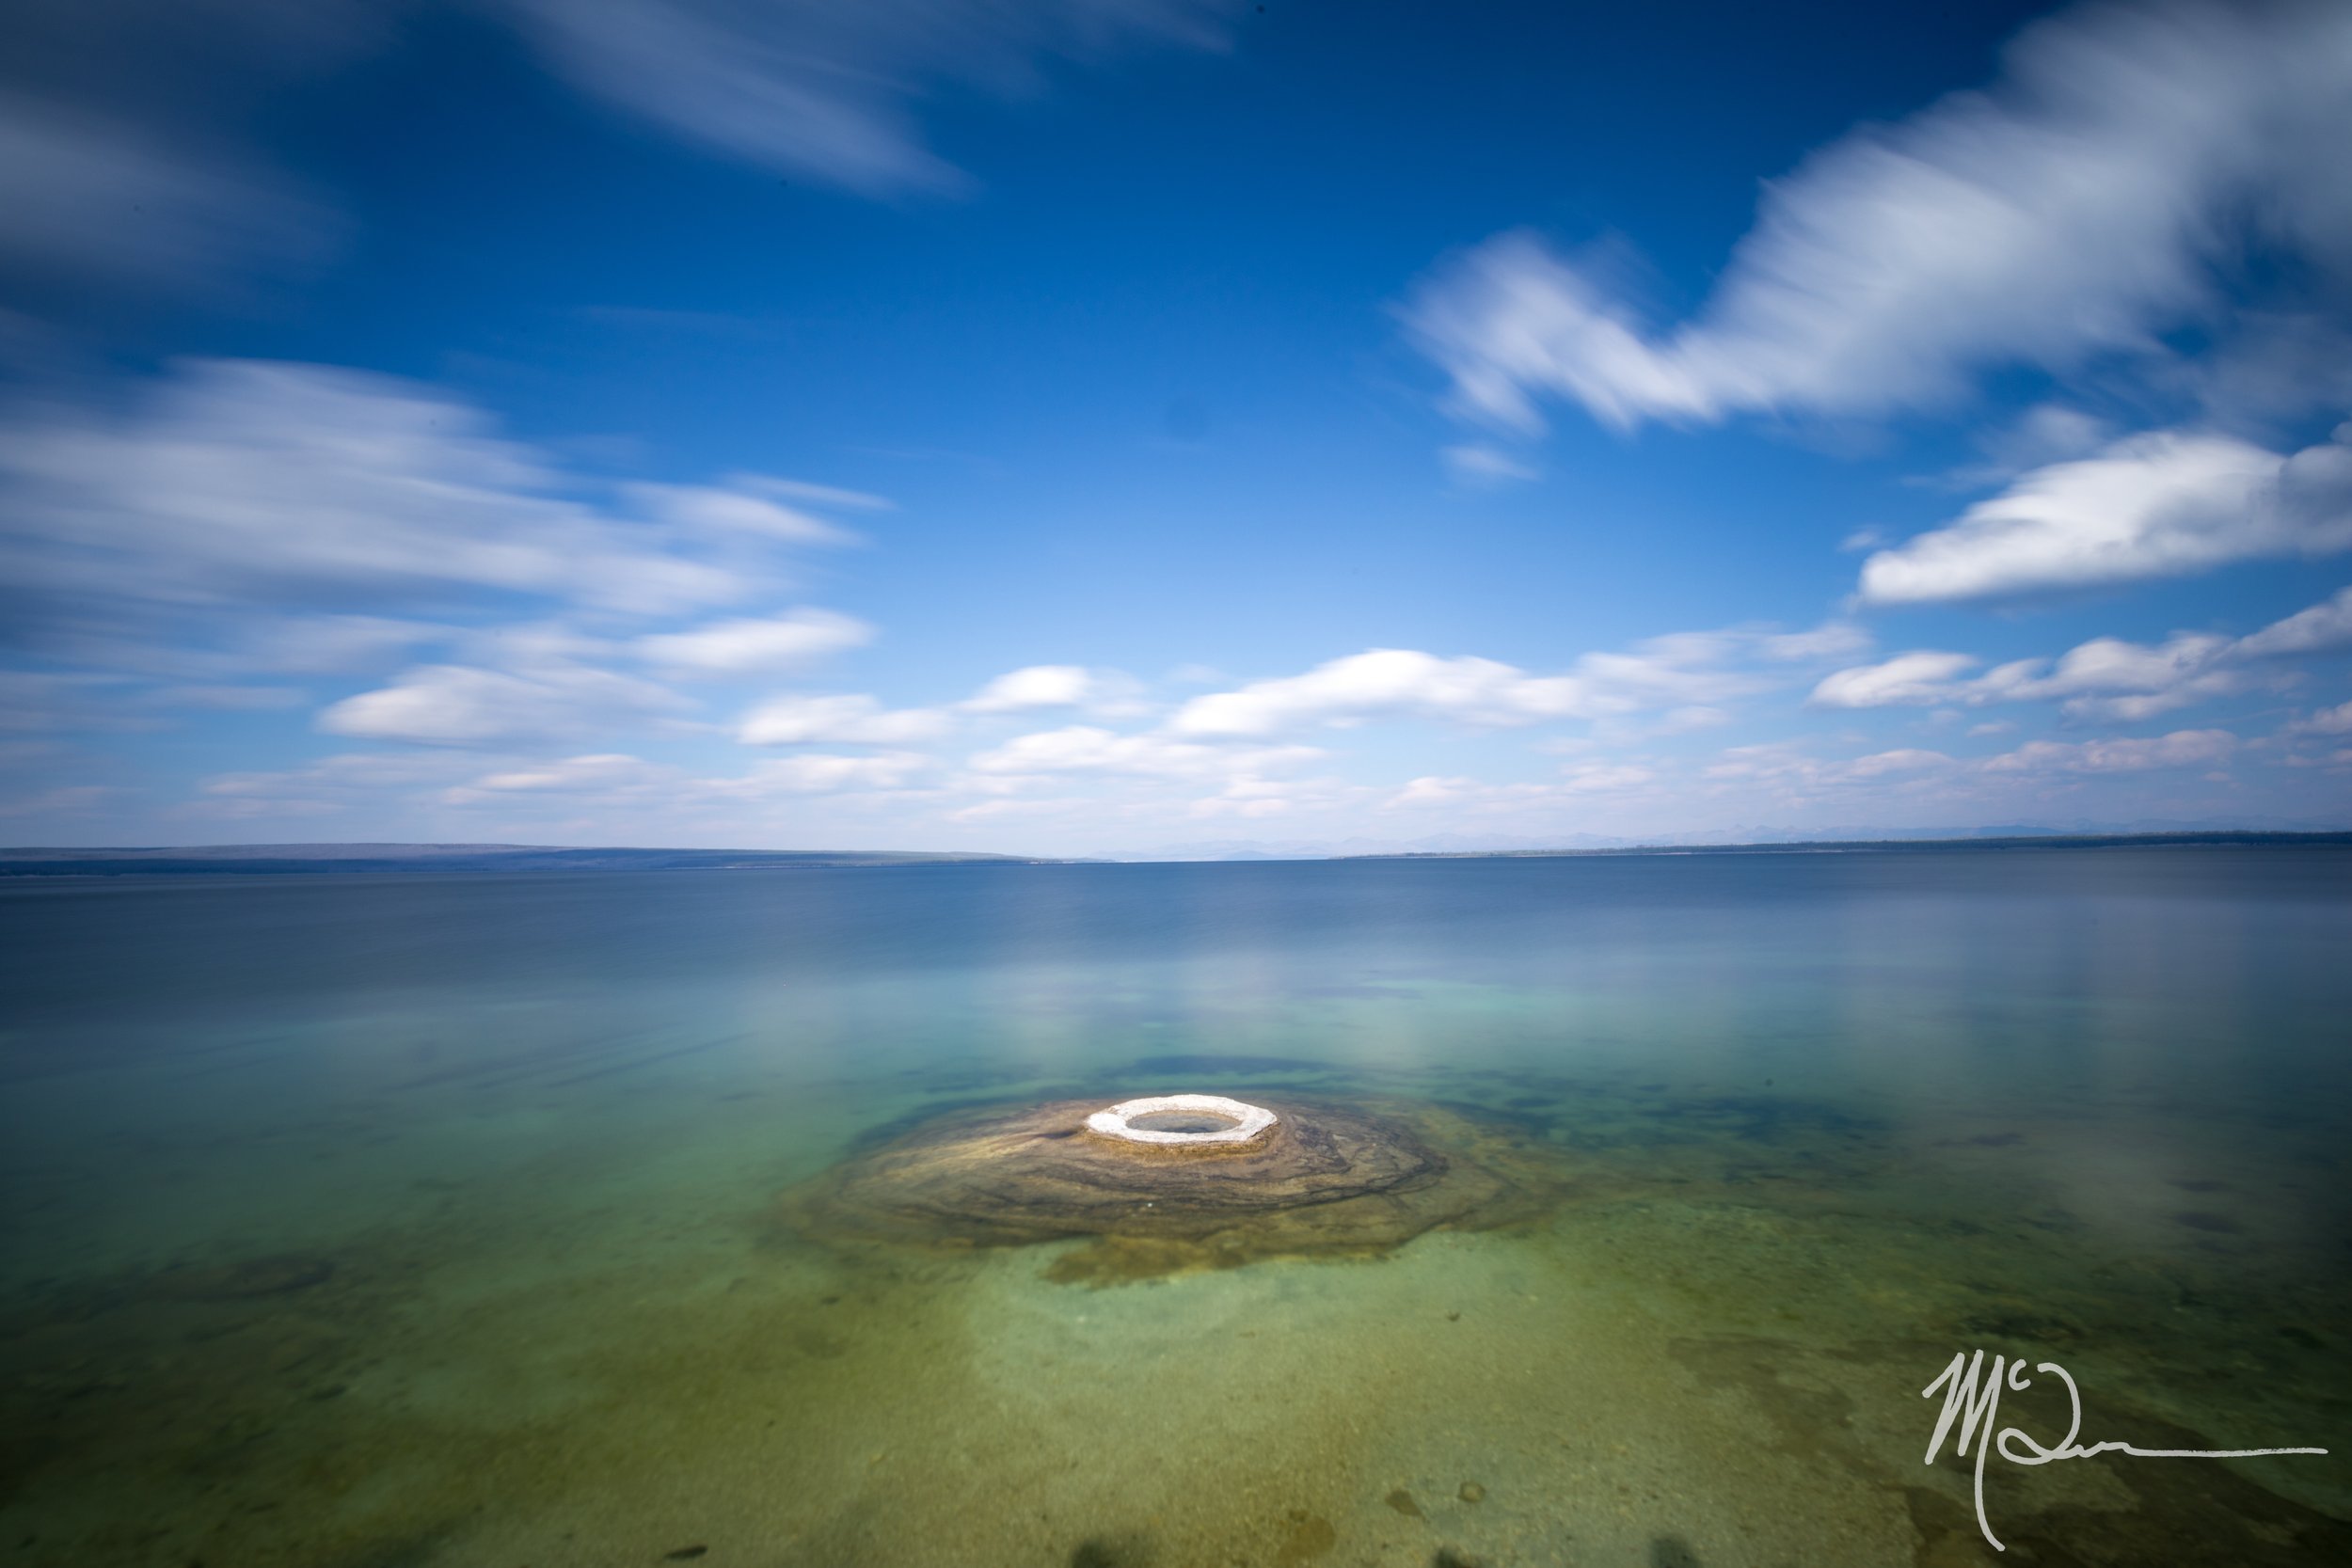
(1324, 1176)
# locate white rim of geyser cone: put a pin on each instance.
(1248, 1120)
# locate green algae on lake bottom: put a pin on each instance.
(1666, 1348)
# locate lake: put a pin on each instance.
(441, 1221)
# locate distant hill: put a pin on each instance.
(263, 858)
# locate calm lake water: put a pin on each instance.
(430, 1221)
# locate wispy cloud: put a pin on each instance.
(848, 720)
(2105, 678)
(1038, 687)
(1684, 670)
(2180, 749)
(2165, 504)
(239, 519)
(449, 704)
(2080, 205)
(241, 481)
(124, 151)
(827, 91)
(91, 195)
(777, 644)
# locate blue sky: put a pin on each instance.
(1104, 424)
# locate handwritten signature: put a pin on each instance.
(1974, 1401)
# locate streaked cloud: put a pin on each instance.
(2107, 677)
(2080, 205)
(848, 720)
(274, 483)
(2331, 721)
(2180, 749)
(1049, 686)
(451, 704)
(2324, 626)
(1682, 670)
(2158, 505)
(773, 645)
(829, 92)
(239, 519)
(89, 195)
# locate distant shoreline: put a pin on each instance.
(382, 859)
(413, 859)
(2224, 839)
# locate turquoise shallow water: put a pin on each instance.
(423, 1220)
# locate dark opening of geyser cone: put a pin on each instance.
(1156, 1187)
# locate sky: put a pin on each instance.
(1096, 426)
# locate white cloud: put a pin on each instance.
(451, 704)
(1390, 682)
(2107, 677)
(195, 534)
(846, 719)
(1786, 764)
(2324, 627)
(1923, 677)
(2044, 434)
(776, 645)
(2330, 721)
(823, 90)
(1044, 685)
(1682, 670)
(2163, 504)
(239, 482)
(2180, 749)
(2078, 206)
